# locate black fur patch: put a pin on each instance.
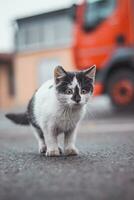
(51, 86)
(65, 81)
(20, 118)
(84, 82)
(32, 118)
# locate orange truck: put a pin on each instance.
(104, 35)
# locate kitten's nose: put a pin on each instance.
(77, 99)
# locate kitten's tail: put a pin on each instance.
(21, 118)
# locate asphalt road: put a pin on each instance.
(104, 170)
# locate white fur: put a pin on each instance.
(74, 82)
(55, 118)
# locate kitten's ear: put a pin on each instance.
(59, 73)
(90, 72)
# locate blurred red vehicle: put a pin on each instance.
(104, 35)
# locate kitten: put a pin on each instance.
(57, 107)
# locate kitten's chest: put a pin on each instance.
(67, 120)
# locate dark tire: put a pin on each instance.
(121, 88)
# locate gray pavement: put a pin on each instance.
(104, 170)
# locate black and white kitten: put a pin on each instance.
(57, 107)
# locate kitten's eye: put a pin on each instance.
(83, 91)
(69, 91)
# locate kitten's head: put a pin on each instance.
(74, 88)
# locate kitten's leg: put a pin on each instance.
(40, 138)
(69, 143)
(52, 143)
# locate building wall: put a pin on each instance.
(41, 43)
(6, 99)
(44, 32)
(27, 70)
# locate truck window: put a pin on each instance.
(97, 11)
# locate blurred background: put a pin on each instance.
(36, 36)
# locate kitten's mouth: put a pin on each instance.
(77, 104)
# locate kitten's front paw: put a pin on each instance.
(42, 149)
(54, 152)
(71, 151)
(60, 150)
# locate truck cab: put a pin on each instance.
(104, 35)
